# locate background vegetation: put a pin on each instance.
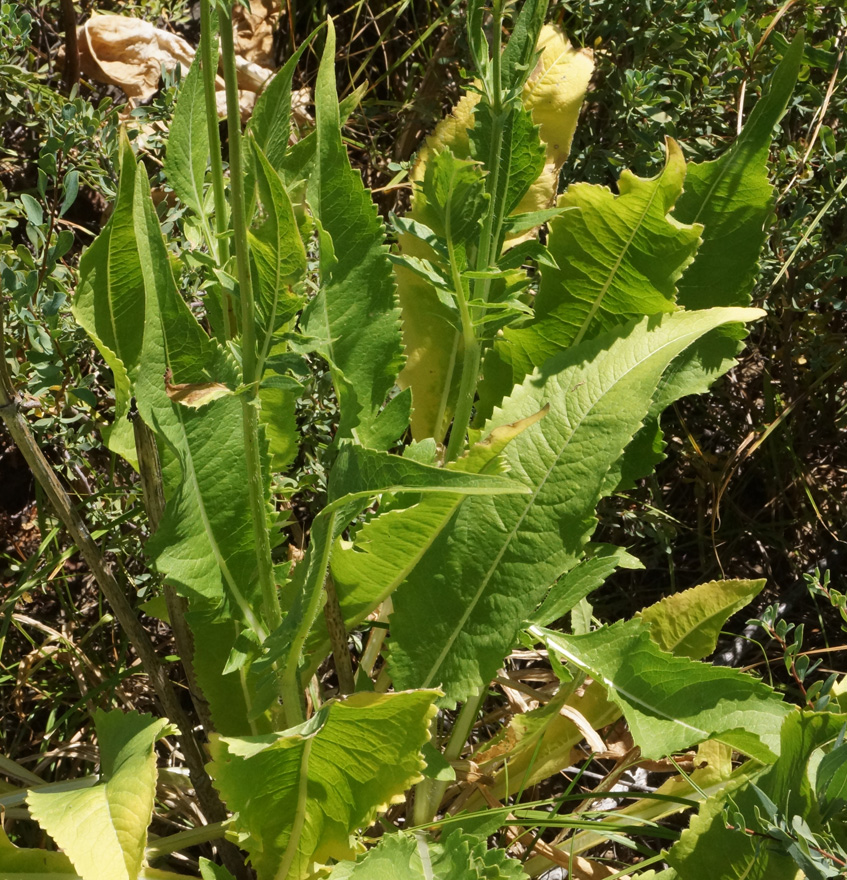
(755, 484)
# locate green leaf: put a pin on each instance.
(831, 781)
(358, 475)
(619, 258)
(130, 305)
(383, 552)
(278, 253)
(600, 562)
(417, 857)
(520, 51)
(459, 611)
(211, 871)
(733, 199)
(188, 142)
(688, 623)
(355, 312)
(522, 156)
(671, 702)
(41, 864)
(301, 795)
(270, 123)
(456, 200)
(103, 829)
(32, 864)
(707, 850)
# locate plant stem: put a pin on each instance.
(486, 253)
(249, 398)
(184, 839)
(292, 693)
(431, 791)
(338, 639)
(209, 70)
(470, 359)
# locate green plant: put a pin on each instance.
(538, 375)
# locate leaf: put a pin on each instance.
(733, 199)
(688, 623)
(211, 871)
(38, 864)
(522, 155)
(188, 142)
(619, 258)
(455, 198)
(368, 569)
(18, 863)
(670, 702)
(589, 574)
(270, 123)
(278, 254)
(553, 93)
(707, 849)
(417, 857)
(300, 795)
(831, 782)
(355, 311)
(130, 306)
(103, 829)
(358, 475)
(520, 51)
(459, 611)
(196, 394)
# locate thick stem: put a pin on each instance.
(431, 791)
(292, 693)
(338, 639)
(209, 70)
(249, 398)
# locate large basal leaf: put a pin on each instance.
(359, 475)
(367, 569)
(103, 829)
(355, 313)
(531, 761)
(18, 863)
(301, 795)
(708, 850)
(417, 857)
(619, 258)
(733, 198)
(130, 305)
(458, 613)
(688, 623)
(188, 142)
(671, 702)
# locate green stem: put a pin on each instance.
(184, 839)
(209, 70)
(431, 791)
(470, 359)
(292, 693)
(249, 398)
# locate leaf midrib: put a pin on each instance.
(530, 502)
